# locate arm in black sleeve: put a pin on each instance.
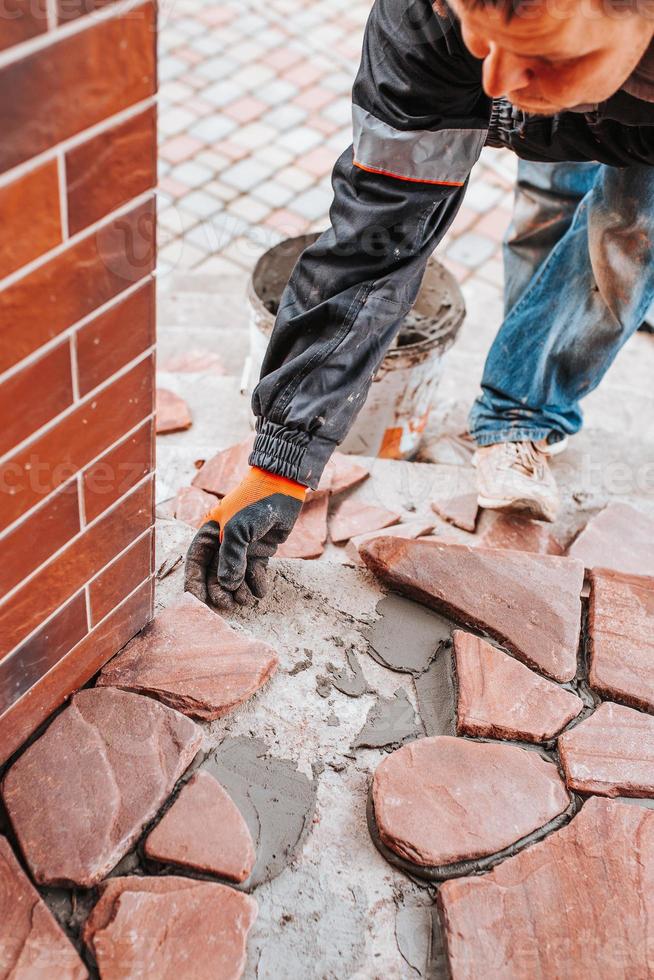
(420, 120)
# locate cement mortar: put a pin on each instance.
(390, 723)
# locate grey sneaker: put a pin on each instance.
(515, 476)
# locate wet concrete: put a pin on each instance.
(406, 636)
(351, 682)
(390, 723)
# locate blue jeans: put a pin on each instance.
(579, 273)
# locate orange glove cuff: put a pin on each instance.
(257, 485)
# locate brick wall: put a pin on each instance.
(77, 168)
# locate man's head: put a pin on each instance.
(550, 55)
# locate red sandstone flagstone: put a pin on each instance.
(529, 603)
(442, 800)
(307, 539)
(352, 518)
(195, 360)
(341, 473)
(193, 504)
(173, 413)
(169, 927)
(460, 510)
(620, 538)
(79, 797)
(577, 904)
(611, 753)
(190, 658)
(498, 697)
(621, 637)
(514, 533)
(32, 944)
(224, 471)
(204, 830)
(412, 529)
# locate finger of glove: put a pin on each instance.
(256, 577)
(201, 552)
(232, 558)
(243, 596)
(218, 596)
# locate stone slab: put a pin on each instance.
(352, 518)
(514, 533)
(620, 537)
(341, 473)
(611, 753)
(79, 797)
(224, 471)
(172, 414)
(498, 697)
(529, 603)
(192, 505)
(439, 801)
(577, 904)
(460, 510)
(412, 529)
(32, 943)
(307, 539)
(169, 927)
(204, 830)
(190, 658)
(621, 637)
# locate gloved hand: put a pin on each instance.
(227, 559)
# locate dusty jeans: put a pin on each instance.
(579, 271)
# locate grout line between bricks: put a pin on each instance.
(11, 707)
(74, 372)
(70, 331)
(25, 270)
(51, 423)
(80, 499)
(68, 144)
(87, 600)
(63, 195)
(80, 534)
(68, 483)
(58, 33)
(51, 14)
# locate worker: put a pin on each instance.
(568, 85)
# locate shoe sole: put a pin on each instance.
(519, 506)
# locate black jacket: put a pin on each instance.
(420, 120)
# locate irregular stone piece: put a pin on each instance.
(611, 753)
(193, 504)
(204, 830)
(620, 538)
(79, 797)
(341, 473)
(190, 658)
(390, 723)
(498, 697)
(577, 904)
(307, 539)
(173, 413)
(32, 944)
(621, 632)
(460, 510)
(442, 800)
(412, 529)
(276, 800)
(406, 636)
(352, 518)
(169, 927)
(529, 603)
(196, 360)
(224, 471)
(513, 533)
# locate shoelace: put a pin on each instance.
(525, 457)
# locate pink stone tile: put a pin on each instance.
(189, 55)
(304, 73)
(180, 148)
(173, 413)
(287, 222)
(319, 161)
(282, 58)
(232, 150)
(198, 106)
(494, 224)
(246, 109)
(458, 270)
(216, 16)
(315, 98)
(173, 187)
(353, 517)
(323, 125)
(465, 218)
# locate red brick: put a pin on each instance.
(35, 395)
(111, 476)
(39, 536)
(74, 670)
(68, 10)
(115, 337)
(22, 19)
(43, 650)
(75, 283)
(70, 570)
(35, 194)
(51, 459)
(111, 169)
(120, 578)
(73, 84)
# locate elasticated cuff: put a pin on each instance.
(290, 453)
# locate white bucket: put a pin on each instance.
(391, 422)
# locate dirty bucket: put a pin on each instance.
(395, 414)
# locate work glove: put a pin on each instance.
(228, 557)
